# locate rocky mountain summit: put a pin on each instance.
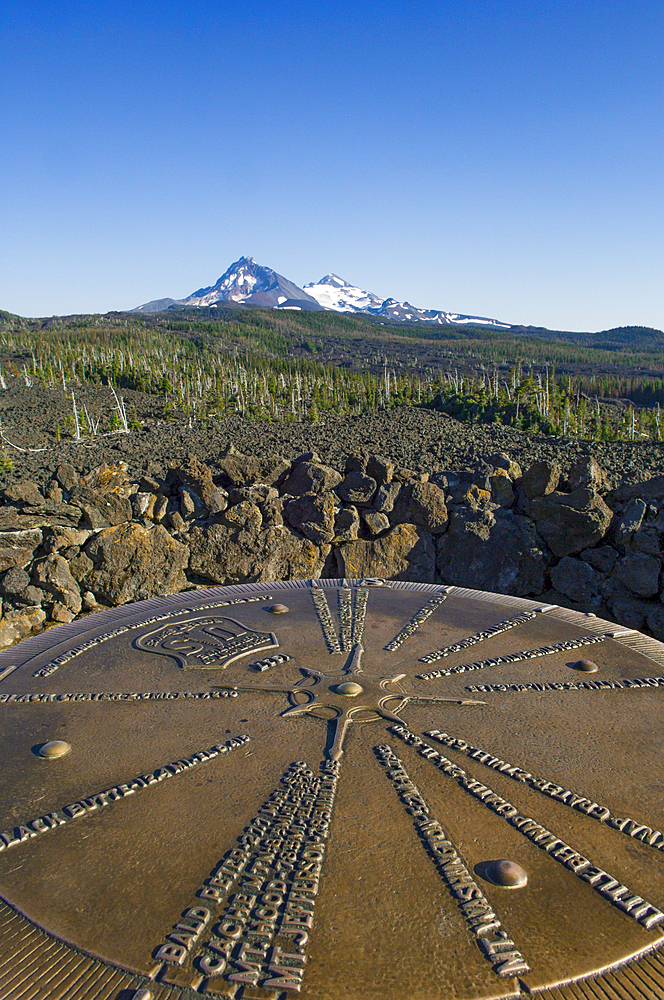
(79, 542)
(245, 282)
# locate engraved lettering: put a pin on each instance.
(653, 838)
(477, 910)
(596, 877)
(524, 654)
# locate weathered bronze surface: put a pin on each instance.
(337, 801)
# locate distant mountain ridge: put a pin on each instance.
(249, 283)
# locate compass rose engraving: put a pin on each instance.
(348, 693)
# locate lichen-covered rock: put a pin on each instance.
(19, 624)
(133, 563)
(245, 516)
(258, 493)
(142, 504)
(101, 510)
(47, 515)
(228, 555)
(80, 566)
(502, 491)
(312, 514)
(570, 522)
(310, 477)
(107, 479)
(492, 550)
(405, 553)
(62, 537)
(52, 575)
(500, 461)
(61, 614)
(272, 512)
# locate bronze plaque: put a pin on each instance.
(347, 790)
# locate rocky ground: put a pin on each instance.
(423, 440)
(405, 494)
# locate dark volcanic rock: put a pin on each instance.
(17, 548)
(312, 515)
(588, 472)
(570, 522)
(639, 573)
(101, 510)
(356, 488)
(540, 480)
(310, 477)
(423, 504)
(24, 493)
(238, 470)
(379, 468)
(346, 524)
(575, 579)
(652, 489)
(195, 480)
(52, 575)
(492, 550)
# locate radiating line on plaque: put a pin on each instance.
(322, 610)
(610, 888)
(581, 803)
(523, 654)
(418, 619)
(610, 684)
(90, 804)
(359, 617)
(250, 920)
(490, 936)
(126, 696)
(478, 637)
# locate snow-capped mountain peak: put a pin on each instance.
(251, 284)
(332, 292)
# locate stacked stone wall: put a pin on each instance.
(82, 542)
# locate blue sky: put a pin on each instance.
(497, 157)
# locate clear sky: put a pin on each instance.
(497, 157)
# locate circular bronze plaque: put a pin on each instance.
(344, 789)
